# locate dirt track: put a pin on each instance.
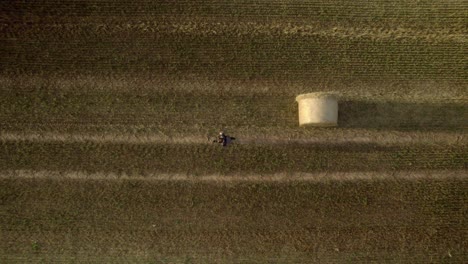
(316, 177)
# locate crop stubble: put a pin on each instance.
(390, 220)
(186, 68)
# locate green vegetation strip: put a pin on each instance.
(418, 221)
(201, 159)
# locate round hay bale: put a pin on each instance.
(318, 109)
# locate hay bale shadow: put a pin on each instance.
(403, 115)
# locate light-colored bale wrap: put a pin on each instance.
(318, 109)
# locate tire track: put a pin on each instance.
(275, 177)
(251, 139)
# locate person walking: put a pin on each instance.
(224, 139)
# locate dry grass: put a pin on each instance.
(169, 221)
(316, 177)
(248, 136)
(105, 107)
(60, 109)
(202, 159)
(318, 46)
(215, 27)
(151, 83)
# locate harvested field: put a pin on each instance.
(108, 109)
(208, 159)
(393, 220)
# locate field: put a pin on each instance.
(107, 109)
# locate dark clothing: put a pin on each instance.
(225, 140)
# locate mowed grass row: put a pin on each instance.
(275, 40)
(50, 109)
(227, 55)
(420, 221)
(342, 10)
(208, 159)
